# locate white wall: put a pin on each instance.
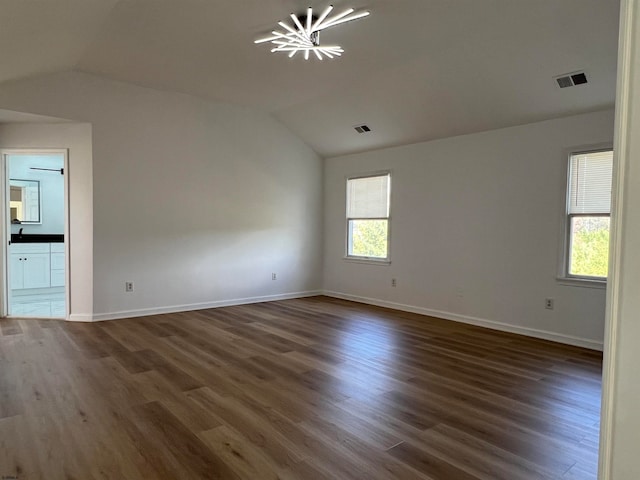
(76, 138)
(475, 229)
(196, 202)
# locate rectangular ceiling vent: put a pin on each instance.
(571, 79)
(362, 128)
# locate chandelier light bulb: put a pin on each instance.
(309, 19)
(304, 34)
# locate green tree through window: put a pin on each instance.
(590, 246)
(369, 238)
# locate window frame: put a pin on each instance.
(563, 276)
(358, 258)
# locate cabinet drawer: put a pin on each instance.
(57, 278)
(57, 261)
(20, 248)
(57, 248)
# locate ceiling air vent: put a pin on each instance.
(362, 128)
(571, 79)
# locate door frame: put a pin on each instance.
(5, 237)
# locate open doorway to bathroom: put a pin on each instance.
(35, 213)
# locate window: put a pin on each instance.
(368, 217)
(588, 214)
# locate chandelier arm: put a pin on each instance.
(333, 48)
(282, 45)
(309, 20)
(334, 18)
(292, 38)
(340, 21)
(335, 51)
(327, 53)
(275, 36)
(302, 30)
(297, 34)
(288, 48)
(324, 15)
(292, 43)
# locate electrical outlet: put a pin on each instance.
(274, 276)
(393, 282)
(128, 286)
(548, 303)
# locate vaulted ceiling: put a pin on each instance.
(413, 70)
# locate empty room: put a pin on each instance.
(276, 239)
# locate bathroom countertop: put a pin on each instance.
(37, 238)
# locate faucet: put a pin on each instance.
(20, 232)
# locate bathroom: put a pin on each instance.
(37, 248)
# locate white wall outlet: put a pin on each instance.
(128, 286)
(274, 276)
(548, 303)
(393, 282)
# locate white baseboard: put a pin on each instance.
(80, 317)
(194, 306)
(481, 322)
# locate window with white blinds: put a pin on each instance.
(368, 197)
(590, 182)
(588, 214)
(367, 212)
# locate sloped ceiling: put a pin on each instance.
(413, 70)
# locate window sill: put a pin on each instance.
(368, 261)
(582, 282)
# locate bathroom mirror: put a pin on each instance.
(25, 201)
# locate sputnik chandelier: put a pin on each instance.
(304, 35)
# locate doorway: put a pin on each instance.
(35, 217)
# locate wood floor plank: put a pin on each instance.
(367, 460)
(155, 387)
(239, 454)
(485, 459)
(253, 423)
(303, 389)
(428, 463)
(10, 327)
(172, 438)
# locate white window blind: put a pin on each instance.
(590, 183)
(368, 197)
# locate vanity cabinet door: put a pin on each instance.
(17, 271)
(37, 270)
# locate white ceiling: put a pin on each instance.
(413, 70)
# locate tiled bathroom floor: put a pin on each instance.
(46, 305)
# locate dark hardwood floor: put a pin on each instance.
(304, 389)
